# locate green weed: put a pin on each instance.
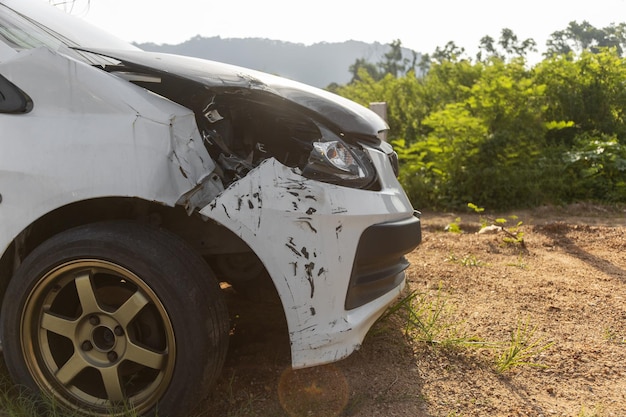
(19, 401)
(467, 260)
(521, 262)
(610, 335)
(522, 348)
(428, 320)
(512, 234)
(455, 226)
(593, 412)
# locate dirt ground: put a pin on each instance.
(568, 284)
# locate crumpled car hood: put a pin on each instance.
(347, 115)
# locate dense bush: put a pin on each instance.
(503, 135)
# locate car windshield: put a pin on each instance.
(21, 32)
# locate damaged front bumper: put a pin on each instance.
(321, 245)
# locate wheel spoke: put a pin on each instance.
(71, 368)
(58, 325)
(127, 311)
(145, 357)
(87, 297)
(112, 383)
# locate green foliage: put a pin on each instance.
(589, 92)
(507, 46)
(597, 164)
(450, 52)
(578, 37)
(455, 226)
(393, 64)
(361, 65)
(504, 135)
(475, 208)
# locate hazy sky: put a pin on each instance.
(420, 25)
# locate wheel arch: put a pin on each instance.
(207, 237)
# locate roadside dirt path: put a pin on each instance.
(568, 284)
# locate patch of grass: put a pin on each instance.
(427, 319)
(467, 260)
(240, 401)
(521, 349)
(246, 405)
(521, 262)
(16, 401)
(355, 403)
(611, 335)
(19, 401)
(597, 411)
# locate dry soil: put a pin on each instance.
(567, 284)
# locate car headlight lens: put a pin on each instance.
(333, 161)
(335, 154)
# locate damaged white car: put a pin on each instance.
(133, 183)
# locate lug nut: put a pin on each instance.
(118, 331)
(86, 346)
(94, 320)
(112, 356)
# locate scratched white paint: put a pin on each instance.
(90, 135)
(306, 234)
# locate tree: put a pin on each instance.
(424, 63)
(579, 37)
(485, 146)
(450, 52)
(361, 64)
(589, 91)
(393, 63)
(508, 46)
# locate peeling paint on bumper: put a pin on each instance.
(306, 233)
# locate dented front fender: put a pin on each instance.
(306, 233)
(92, 135)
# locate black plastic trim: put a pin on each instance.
(12, 99)
(379, 263)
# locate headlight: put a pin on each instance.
(335, 154)
(335, 162)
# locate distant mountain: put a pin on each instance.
(319, 64)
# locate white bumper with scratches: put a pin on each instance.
(306, 234)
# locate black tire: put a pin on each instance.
(116, 314)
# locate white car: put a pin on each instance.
(132, 184)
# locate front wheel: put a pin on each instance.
(115, 315)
